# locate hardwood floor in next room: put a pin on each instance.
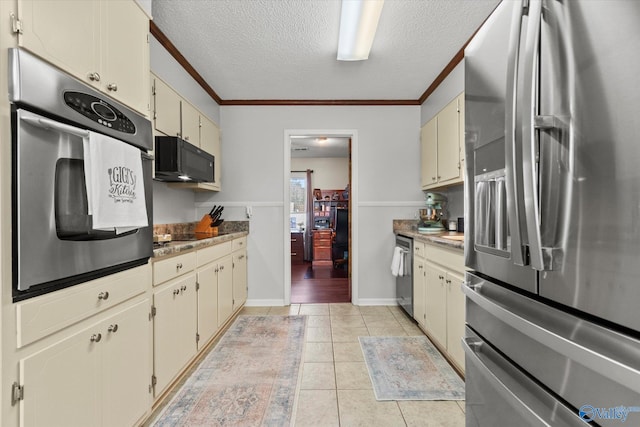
(318, 285)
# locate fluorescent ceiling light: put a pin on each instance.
(358, 23)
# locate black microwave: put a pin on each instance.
(180, 161)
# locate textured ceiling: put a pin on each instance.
(286, 49)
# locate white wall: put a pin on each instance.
(253, 174)
(329, 173)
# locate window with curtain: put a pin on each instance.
(298, 199)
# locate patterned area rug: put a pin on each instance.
(248, 379)
(409, 368)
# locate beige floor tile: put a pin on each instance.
(318, 376)
(255, 311)
(381, 322)
(315, 309)
(318, 352)
(280, 311)
(294, 309)
(318, 322)
(352, 376)
(360, 408)
(397, 331)
(432, 413)
(343, 334)
(344, 309)
(412, 330)
(317, 408)
(347, 352)
(375, 309)
(318, 335)
(348, 321)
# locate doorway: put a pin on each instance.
(319, 259)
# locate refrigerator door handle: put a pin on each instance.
(540, 258)
(513, 153)
(617, 371)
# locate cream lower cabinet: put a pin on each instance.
(239, 261)
(439, 304)
(174, 328)
(225, 289)
(96, 377)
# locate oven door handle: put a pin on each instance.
(51, 124)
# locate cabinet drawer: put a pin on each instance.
(240, 243)
(452, 259)
(167, 269)
(418, 248)
(212, 253)
(322, 253)
(44, 315)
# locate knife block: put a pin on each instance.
(204, 229)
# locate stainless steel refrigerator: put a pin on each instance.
(552, 208)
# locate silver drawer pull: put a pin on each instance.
(94, 77)
(176, 291)
(112, 87)
(113, 328)
(103, 296)
(178, 266)
(96, 337)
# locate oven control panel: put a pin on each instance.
(99, 111)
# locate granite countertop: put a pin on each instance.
(178, 246)
(409, 228)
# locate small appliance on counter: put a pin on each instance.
(431, 216)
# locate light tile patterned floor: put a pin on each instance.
(335, 389)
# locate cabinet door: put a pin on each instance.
(190, 123)
(225, 289)
(62, 383)
(436, 303)
(167, 109)
(65, 33)
(429, 153)
(419, 300)
(239, 278)
(126, 367)
(210, 142)
(174, 329)
(455, 317)
(449, 143)
(125, 54)
(207, 303)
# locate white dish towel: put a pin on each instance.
(115, 184)
(397, 262)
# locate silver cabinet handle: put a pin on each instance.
(222, 267)
(103, 296)
(183, 288)
(113, 328)
(94, 77)
(176, 291)
(178, 266)
(112, 87)
(242, 257)
(96, 337)
(292, 254)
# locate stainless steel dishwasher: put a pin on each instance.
(404, 281)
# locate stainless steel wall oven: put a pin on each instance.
(61, 128)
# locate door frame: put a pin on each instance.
(353, 203)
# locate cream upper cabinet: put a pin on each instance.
(101, 42)
(210, 142)
(429, 153)
(442, 144)
(190, 124)
(166, 117)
